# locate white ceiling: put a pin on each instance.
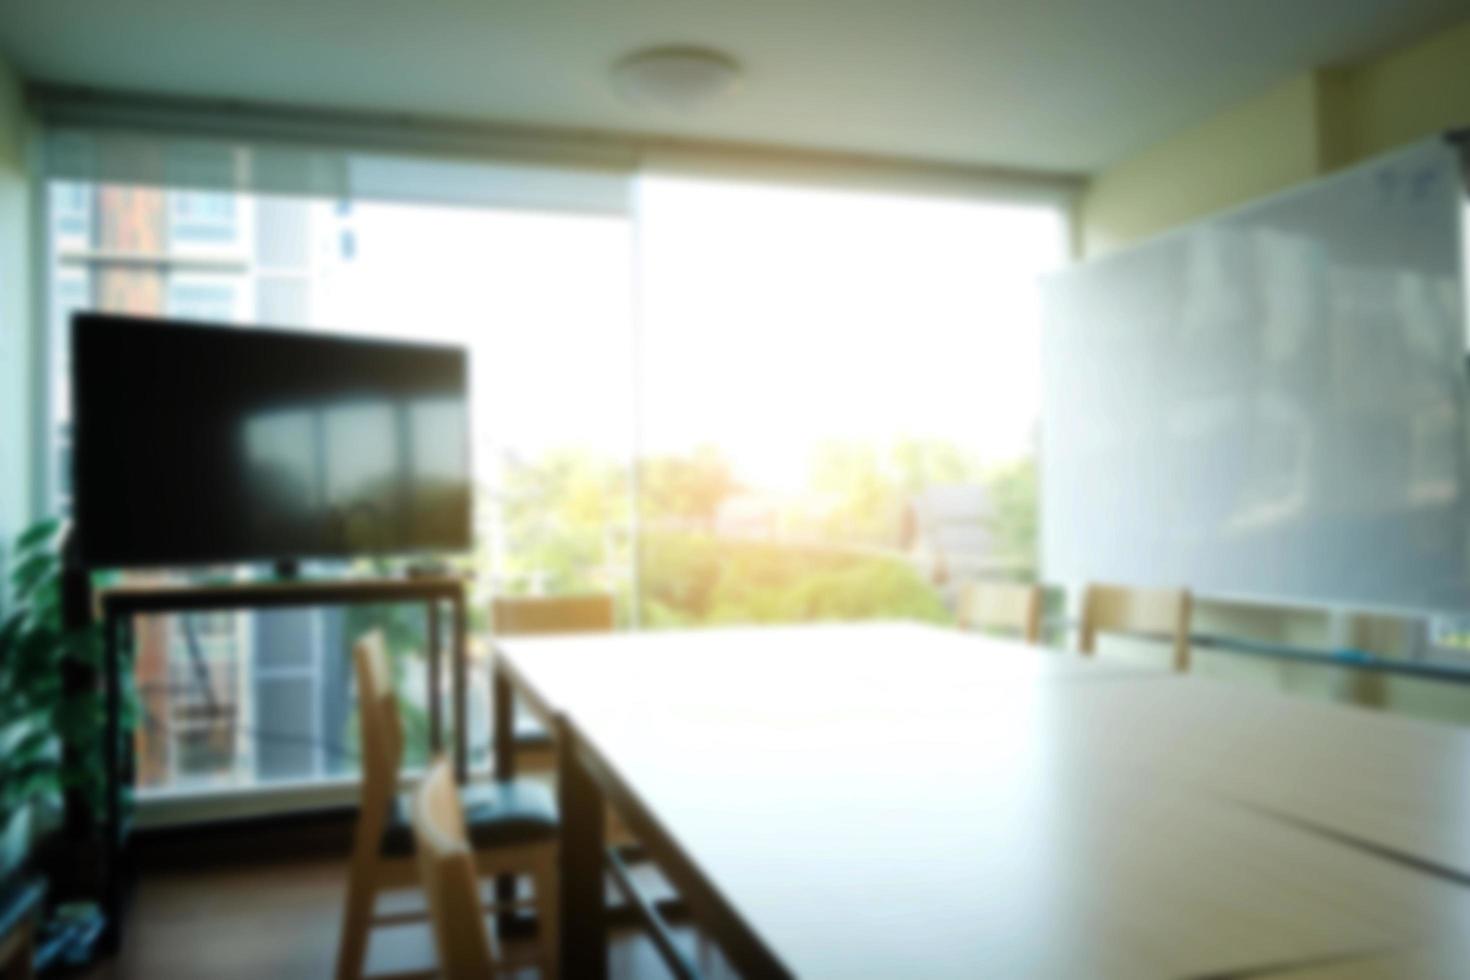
(1056, 85)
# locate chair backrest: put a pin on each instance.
(379, 727)
(1006, 606)
(532, 615)
(447, 873)
(1116, 608)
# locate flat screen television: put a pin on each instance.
(200, 443)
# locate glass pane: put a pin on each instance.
(541, 300)
(840, 400)
(544, 304)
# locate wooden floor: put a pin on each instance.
(280, 920)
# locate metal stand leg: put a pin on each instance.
(111, 763)
(461, 684)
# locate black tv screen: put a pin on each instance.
(201, 444)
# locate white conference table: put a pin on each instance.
(898, 800)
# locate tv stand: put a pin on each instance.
(120, 604)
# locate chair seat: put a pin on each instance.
(497, 814)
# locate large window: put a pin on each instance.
(825, 408)
(541, 300)
(840, 399)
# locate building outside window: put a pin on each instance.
(208, 298)
(71, 209)
(207, 697)
(207, 217)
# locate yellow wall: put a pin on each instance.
(1243, 153)
(1300, 129)
(15, 309)
(1411, 93)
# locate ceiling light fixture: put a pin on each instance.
(675, 78)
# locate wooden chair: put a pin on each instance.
(1007, 606)
(548, 616)
(536, 615)
(447, 871)
(542, 616)
(1116, 608)
(512, 826)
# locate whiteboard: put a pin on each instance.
(1271, 404)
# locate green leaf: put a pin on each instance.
(31, 572)
(20, 746)
(79, 723)
(38, 744)
(83, 646)
(33, 782)
(51, 736)
(46, 600)
(9, 629)
(38, 533)
(38, 650)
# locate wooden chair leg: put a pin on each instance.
(356, 922)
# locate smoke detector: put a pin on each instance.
(676, 78)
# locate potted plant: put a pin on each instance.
(51, 716)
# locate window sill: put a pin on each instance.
(179, 807)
